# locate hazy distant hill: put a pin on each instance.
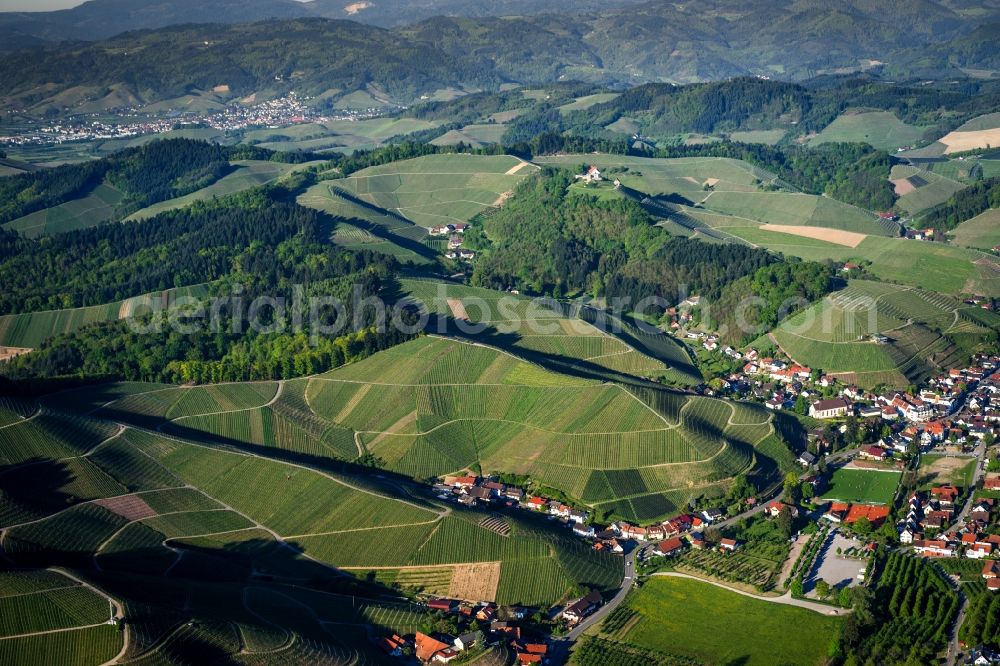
(619, 45)
(100, 19)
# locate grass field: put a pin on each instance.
(686, 176)
(862, 486)
(881, 129)
(793, 209)
(337, 135)
(936, 470)
(982, 231)
(587, 101)
(88, 211)
(701, 621)
(474, 135)
(769, 137)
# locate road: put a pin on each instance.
(976, 474)
(560, 648)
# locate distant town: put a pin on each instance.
(132, 122)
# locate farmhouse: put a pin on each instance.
(873, 452)
(593, 175)
(427, 648)
(669, 547)
(828, 409)
(730, 545)
(581, 608)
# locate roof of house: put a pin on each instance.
(827, 405)
(874, 513)
(670, 545)
(427, 647)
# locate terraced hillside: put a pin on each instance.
(924, 332)
(201, 539)
(247, 174)
(549, 333)
(31, 329)
(437, 189)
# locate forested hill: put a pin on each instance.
(744, 103)
(639, 43)
(610, 249)
(144, 175)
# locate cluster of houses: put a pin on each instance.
(959, 405)
(439, 648)
(933, 514)
(475, 491)
(454, 232)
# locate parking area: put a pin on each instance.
(835, 569)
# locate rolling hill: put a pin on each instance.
(633, 42)
(924, 332)
(436, 406)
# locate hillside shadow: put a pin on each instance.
(35, 488)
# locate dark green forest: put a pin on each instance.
(147, 174)
(964, 205)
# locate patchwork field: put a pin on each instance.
(668, 616)
(920, 189)
(881, 129)
(936, 267)
(436, 406)
(835, 334)
(862, 486)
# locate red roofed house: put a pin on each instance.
(537, 503)
(729, 544)
(992, 483)
(991, 569)
(669, 547)
(427, 648)
(945, 494)
(775, 507)
(873, 452)
(837, 511)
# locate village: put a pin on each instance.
(913, 472)
(131, 122)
